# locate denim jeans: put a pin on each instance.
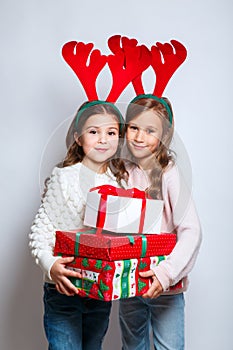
(165, 315)
(72, 322)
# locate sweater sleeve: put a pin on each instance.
(54, 213)
(183, 220)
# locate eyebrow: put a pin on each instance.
(97, 127)
(146, 127)
(152, 127)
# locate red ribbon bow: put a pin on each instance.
(106, 190)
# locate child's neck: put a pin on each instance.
(145, 164)
(97, 168)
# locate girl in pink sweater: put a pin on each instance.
(150, 128)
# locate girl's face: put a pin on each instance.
(99, 140)
(143, 135)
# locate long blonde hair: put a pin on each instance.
(163, 154)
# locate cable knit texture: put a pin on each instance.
(62, 208)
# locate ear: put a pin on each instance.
(77, 139)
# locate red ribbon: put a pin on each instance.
(106, 190)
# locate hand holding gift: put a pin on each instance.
(156, 288)
(60, 275)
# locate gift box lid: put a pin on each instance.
(108, 246)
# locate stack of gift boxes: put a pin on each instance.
(121, 240)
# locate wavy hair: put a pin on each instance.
(75, 152)
(163, 155)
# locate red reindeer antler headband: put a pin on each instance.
(165, 60)
(127, 63)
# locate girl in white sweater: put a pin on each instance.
(72, 322)
(149, 131)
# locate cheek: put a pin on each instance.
(90, 139)
(88, 145)
(155, 143)
(115, 143)
(128, 135)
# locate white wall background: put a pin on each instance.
(39, 92)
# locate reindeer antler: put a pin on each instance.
(76, 54)
(127, 62)
(165, 62)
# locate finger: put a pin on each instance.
(156, 294)
(153, 290)
(64, 289)
(72, 273)
(148, 294)
(149, 273)
(67, 260)
(151, 294)
(69, 287)
(69, 293)
(59, 289)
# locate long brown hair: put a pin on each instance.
(163, 154)
(75, 152)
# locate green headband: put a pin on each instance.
(98, 102)
(161, 100)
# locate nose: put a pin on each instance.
(102, 137)
(139, 137)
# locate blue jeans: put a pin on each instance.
(164, 314)
(72, 322)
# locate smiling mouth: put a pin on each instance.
(102, 150)
(138, 146)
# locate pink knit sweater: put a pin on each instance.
(180, 217)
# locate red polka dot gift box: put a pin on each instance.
(108, 246)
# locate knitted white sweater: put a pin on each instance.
(62, 208)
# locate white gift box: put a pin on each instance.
(124, 214)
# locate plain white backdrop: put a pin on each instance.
(39, 94)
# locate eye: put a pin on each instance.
(150, 131)
(112, 133)
(92, 131)
(133, 127)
